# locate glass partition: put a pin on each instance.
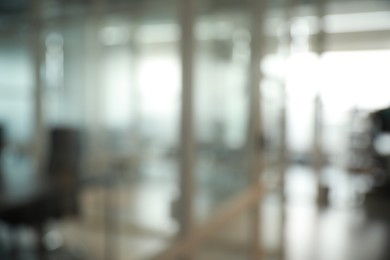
(108, 90)
(17, 125)
(136, 139)
(17, 87)
(64, 73)
(114, 78)
(221, 105)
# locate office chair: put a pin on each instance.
(59, 196)
(63, 169)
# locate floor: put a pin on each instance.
(139, 222)
(348, 228)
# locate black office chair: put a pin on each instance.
(2, 145)
(63, 169)
(59, 198)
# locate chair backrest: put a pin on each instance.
(2, 145)
(382, 120)
(63, 166)
(64, 152)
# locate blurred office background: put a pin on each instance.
(194, 129)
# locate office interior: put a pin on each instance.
(195, 129)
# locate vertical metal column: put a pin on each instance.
(93, 96)
(134, 74)
(285, 45)
(318, 160)
(92, 88)
(187, 152)
(110, 252)
(255, 133)
(94, 93)
(319, 48)
(38, 59)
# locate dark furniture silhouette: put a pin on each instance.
(51, 195)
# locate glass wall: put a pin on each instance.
(134, 134)
(17, 107)
(152, 138)
(221, 105)
(109, 73)
(17, 87)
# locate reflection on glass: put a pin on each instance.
(221, 110)
(139, 112)
(16, 89)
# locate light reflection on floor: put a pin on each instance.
(141, 224)
(342, 231)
